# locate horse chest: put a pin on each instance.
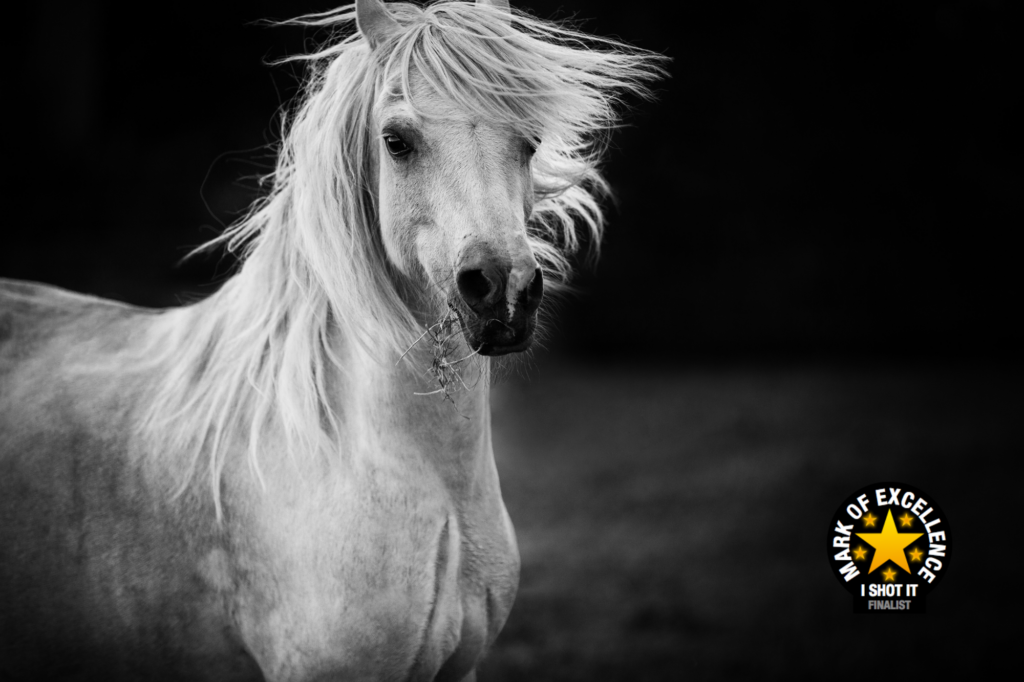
(384, 573)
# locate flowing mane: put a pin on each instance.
(258, 352)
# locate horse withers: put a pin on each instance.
(293, 479)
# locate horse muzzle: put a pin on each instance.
(497, 301)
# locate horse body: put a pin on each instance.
(389, 565)
(89, 551)
(293, 479)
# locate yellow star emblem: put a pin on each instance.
(915, 554)
(869, 520)
(906, 520)
(859, 553)
(889, 574)
(889, 544)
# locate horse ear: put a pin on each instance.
(374, 21)
(497, 4)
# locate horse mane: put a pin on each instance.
(258, 352)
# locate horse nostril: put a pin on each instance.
(477, 289)
(534, 292)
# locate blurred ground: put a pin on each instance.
(673, 522)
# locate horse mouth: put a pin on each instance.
(491, 349)
(494, 337)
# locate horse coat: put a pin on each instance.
(103, 573)
(293, 479)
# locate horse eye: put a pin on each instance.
(531, 147)
(396, 145)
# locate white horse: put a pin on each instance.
(293, 479)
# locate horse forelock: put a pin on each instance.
(260, 351)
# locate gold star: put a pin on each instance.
(869, 520)
(859, 553)
(915, 554)
(906, 520)
(889, 544)
(889, 574)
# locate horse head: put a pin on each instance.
(454, 196)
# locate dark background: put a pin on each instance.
(807, 285)
(835, 179)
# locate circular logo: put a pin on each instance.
(888, 545)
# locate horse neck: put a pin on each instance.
(402, 399)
